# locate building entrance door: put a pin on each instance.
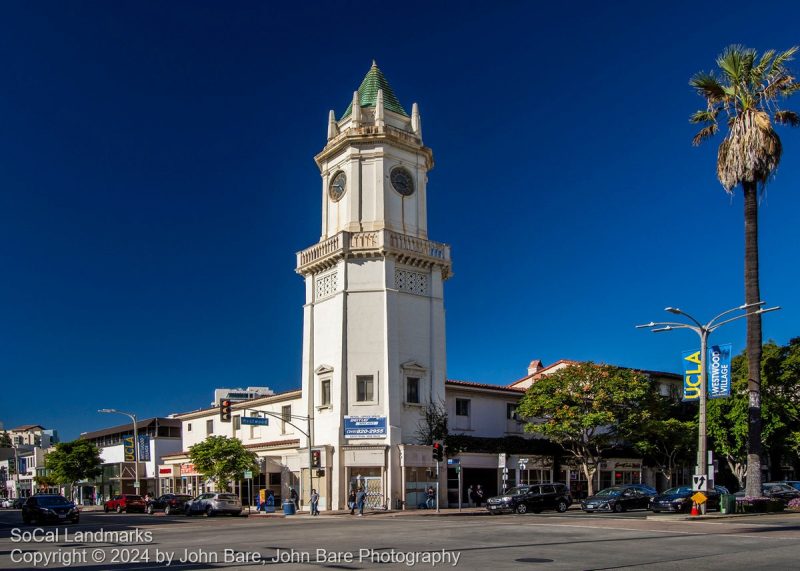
(374, 488)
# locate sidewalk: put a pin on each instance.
(379, 513)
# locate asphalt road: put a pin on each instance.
(574, 540)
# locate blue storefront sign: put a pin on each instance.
(144, 448)
(719, 371)
(365, 427)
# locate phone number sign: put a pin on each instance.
(365, 427)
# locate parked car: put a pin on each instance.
(125, 503)
(780, 491)
(792, 483)
(169, 503)
(679, 499)
(533, 498)
(41, 508)
(617, 499)
(212, 504)
(647, 489)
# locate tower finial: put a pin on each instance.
(374, 63)
(356, 109)
(333, 128)
(379, 121)
(416, 121)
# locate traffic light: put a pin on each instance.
(438, 451)
(315, 459)
(225, 410)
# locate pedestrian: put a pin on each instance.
(471, 496)
(314, 502)
(293, 497)
(430, 495)
(361, 499)
(478, 496)
(351, 501)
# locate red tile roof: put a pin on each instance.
(470, 384)
(542, 371)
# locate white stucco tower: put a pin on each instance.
(373, 326)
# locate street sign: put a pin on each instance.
(451, 461)
(699, 498)
(255, 421)
(699, 483)
(501, 460)
(248, 474)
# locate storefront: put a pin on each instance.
(365, 468)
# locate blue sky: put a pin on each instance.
(157, 178)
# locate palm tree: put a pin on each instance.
(747, 92)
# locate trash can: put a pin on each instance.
(288, 507)
(727, 503)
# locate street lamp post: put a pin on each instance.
(704, 331)
(135, 442)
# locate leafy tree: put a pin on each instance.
(667, 443)
(45, 482)
(433, 424)
(5, 440)
(222, 459)
(728, 418)
(70, 462)
(746, 93)
(587, 409)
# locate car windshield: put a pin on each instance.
(518, 490)
(776, 488)
(227, 497)
(53, 501)
(679, 491)
(609, 493)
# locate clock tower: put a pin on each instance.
(373, 325)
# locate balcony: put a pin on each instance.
(405, 249)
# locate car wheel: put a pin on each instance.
(522, 508)
(209, 511)
(561, 507)
(119, 509)
(167, 509)
(656, 511)
(150, 509)
(618, 508)
(186, 511)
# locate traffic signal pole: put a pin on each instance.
(437, 486)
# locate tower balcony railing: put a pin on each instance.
(373, 242)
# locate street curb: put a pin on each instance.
(685, 517)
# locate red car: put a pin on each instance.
(125, 503)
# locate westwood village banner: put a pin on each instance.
(719, 371)
(718, 366)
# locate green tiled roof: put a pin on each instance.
(368, 93)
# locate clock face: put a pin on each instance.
(338, 186)
(402, 181)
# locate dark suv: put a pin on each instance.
(55, 508)
(531, 498)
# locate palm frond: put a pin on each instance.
(704, 116)
(779, 63)
(736, 62)
(786, 117)
(708, 86)
(760, 70)
(705, 133)
(789, 87)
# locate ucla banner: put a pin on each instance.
(719, 371)
(691, 375)
(128, 447)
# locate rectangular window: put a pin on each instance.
(210, 426)
(462, 407)
(412, 390)
(286, 416)
(237, 422)
(325, 392)
(511, 411)
(364, 388)
(189, 427)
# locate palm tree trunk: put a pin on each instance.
(752, 294)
